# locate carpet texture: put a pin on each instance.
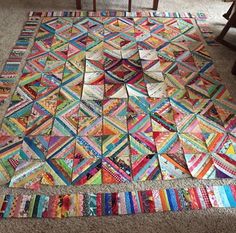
(223, 67)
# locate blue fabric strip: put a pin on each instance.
(172, 199)
(230, 196)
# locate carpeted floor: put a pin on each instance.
(12, 15)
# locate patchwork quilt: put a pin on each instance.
(109, 99)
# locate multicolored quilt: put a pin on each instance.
(106, 99)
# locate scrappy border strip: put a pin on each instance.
(118, 203)
(10, 70)
(110, 14)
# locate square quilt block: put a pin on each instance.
(114, 145)
(40, 121)
(116, 90)
(225, 165)
(115, 107)
(116, 169)
(167, 142)
(142, 143)
(173, 166)
(61, 147)
(34, 147)
(30, 83)
(145, 167)
(66, 119)
(90, 126)
(193, 143)
(139, 123)
(113, 125)
(162, 115)
(88, 147)
(11, 148)
(90, 108)
(157, 90)
(72, 75)
(28, 174)
(15, 124)
(138, 105)
(57, 172)
(94, 78)
(87, 171)
(93, 92)
(137, 89)
(201, 165)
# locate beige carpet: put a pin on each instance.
(13, 13)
